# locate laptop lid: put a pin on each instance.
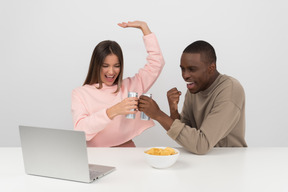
(56, 153)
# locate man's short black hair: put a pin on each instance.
(206, 50)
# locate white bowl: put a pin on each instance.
(160, 162)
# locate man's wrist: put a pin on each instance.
(174, 114)
(164, 120)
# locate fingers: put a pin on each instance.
(144, 97)
(173, 94)
(174, 91)
(128, 24)
(130, 101)
(123, 24)
(143, 102)
(129, 104)
(137, 24)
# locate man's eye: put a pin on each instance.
(192, 69)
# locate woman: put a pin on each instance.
(99, 107)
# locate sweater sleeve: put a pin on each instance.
(146, 76)
(91, 124)
(217, 125)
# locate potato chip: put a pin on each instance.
(171, 151)
(165, 152)
(162, 152)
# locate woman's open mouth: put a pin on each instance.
(110, 78)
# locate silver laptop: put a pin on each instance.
(58, 154)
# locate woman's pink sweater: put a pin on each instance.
(89, 104)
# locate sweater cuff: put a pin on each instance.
(175, 129)
(151, 42)
(149, 36)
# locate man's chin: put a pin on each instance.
(193, 91)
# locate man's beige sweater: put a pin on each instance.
(212, 118)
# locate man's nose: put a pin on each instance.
(185, 75)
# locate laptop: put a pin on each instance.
(58, 154)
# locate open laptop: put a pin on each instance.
(58, 154)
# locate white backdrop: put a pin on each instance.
(46, 46)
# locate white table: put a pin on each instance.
(222, 169)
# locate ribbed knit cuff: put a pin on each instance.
(175, 129)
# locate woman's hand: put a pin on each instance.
(137, 24)
(123, 108)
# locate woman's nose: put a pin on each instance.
(110, 70)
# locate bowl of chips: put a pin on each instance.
(161, 157)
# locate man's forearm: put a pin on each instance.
(164, 120)
(174, 115)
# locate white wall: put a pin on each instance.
(45, 49)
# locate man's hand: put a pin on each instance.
(151, 109)
(173, 96)
(148, 106)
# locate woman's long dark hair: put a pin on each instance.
(101, 51)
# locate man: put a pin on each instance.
(213, 113)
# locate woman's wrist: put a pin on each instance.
(145, 29)
(110, 113)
